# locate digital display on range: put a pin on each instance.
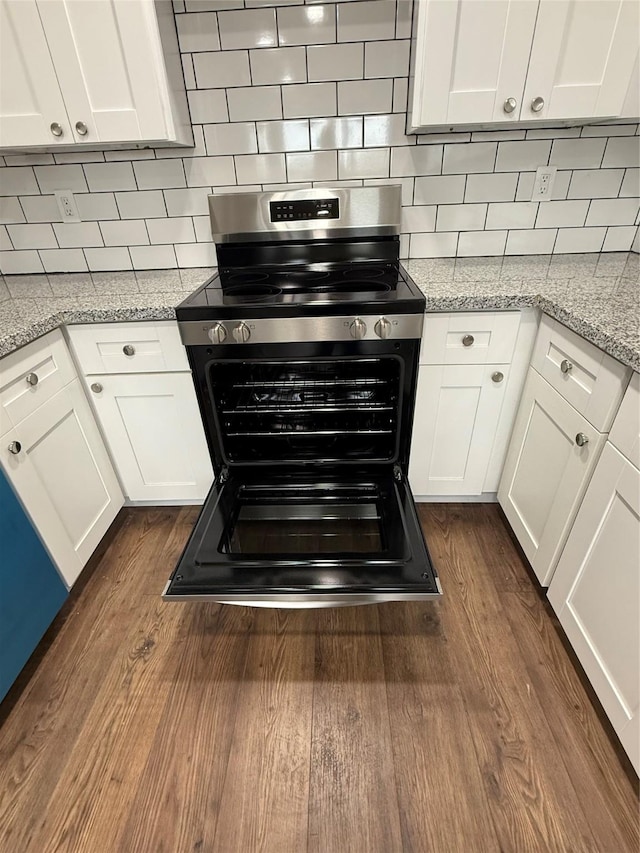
(304, 209)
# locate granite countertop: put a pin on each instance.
(598, 296)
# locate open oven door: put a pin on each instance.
(299, 540)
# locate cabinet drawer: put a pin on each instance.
(128, 347)
(625, 432)
(31, 376)
(592, 381)
(469, 338)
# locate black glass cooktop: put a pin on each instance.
(316, 289)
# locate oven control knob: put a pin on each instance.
(217, 333)
(241, 333)
(358, 329)
(383, 327)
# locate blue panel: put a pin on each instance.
(31, 590)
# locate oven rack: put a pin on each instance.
(308, 397)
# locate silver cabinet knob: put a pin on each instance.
(56, 129)
(217, 334)
(582, 439)
(498, 376)
(358, 329)
(382, 328)
(537, 104)
(32, 379)
(96, 387)
(15, 447)
(509, 105)
(241, 333)
(82, 128)
(127, 349)
(468, 341)
(565, 365)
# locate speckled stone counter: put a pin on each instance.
(598, 296)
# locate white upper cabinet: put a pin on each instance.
(499, 61)
(99, 72)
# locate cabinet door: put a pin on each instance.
(153, 428)
(546, 472)
(470, 58)
(64, 478)
(30, 97)
(596, 589)
(582, 58)
(456, 416)
(31, 589)
(107, 57)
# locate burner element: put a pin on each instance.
(250, 292)
(246, 277)
(354, 286)
(364, 271)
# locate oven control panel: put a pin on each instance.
(300, 210)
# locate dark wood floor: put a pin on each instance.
(457, 726)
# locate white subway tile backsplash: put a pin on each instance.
(622, 151)
(403, 19)
(247, 28)
(19, 263)
(19, 181)
(415, 160)
(197, 32)
(609, 130)
(441, 245)
(472, 243)
(260, 168)
(335, 62)
(176, 230)
(439, 190)
(202, 227)
(336, 132)
(577, 153)
(517, 214)
(159, 174)
(233, 138)
(141, 205)
(307, 24)
(538, 241)
(187, 71)
(196, 255)
(106, 177)
(5, 241)
(595, 183)
(419, 219)
(278, 65)
(309, 100)
(28, 159)
(553, 132)
(41, 208)
(358, 97)
(32, 236)
(11, 211)
(63, 260)
(372, 19)
(221, 69)
(65, 157)
(130, 232)
(631, 183)
(406, 185)
(386, 58)
(312, 166)
(562, 214)
(103, 260)
(208, 106)
(153, 257)
(471, 157)
(363, 163)
(386, 130)
(619, 238)
(78, 235)
(254, 103)
(274, 136)
(52, 178)
(574, 240)
(400, 94)
(461, 217)
(208, 171)
(612, 211)
(520, 156)
(129, 154)
(96, 206)
(496, 135)
(191, 202)
(500, 187)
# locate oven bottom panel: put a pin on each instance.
(306, 541)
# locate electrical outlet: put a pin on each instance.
(543, 184)
(67, 206)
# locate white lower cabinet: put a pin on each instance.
(57, 463)
(550, 459)
(595, 592)
(153, 428)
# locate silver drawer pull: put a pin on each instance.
(565, 365)
(15, 447)
(56, 129)
(509, 105)
(498, 376)
(82, 128)
(537, 104)
(32, 379)
(582, 439)
(96, 387)
(128, 350)
(468, 341)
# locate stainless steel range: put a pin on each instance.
(304, 353)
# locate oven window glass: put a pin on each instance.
(321, 410)
(310, 522)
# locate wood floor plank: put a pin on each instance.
(353, 800)
(265, 799)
